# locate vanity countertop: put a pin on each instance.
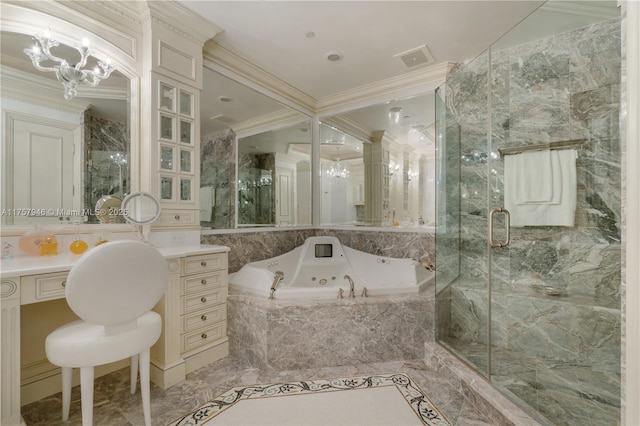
(30, 265)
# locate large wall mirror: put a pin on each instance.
(255, 168)
(61, 158)
(378, 165)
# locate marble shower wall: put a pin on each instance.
(218, 171)
(253, 246)
(563, 87)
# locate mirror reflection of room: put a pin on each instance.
(254, 158)
(78, 150)
(394, 142)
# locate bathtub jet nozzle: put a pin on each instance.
(351, 287)
(277, 277)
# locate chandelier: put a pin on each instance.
(69, 75)
(337, 169)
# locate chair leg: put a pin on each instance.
(86, 391)
(144, 385)
(66, 392)
(134, 373)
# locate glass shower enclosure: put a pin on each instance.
(528, 259)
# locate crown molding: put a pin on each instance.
(40, 91)
(348, 126)
(222, 59)
(420, 81)
(272, 121)
(180, 20)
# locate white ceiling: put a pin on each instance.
(369, 35)
(272, 35)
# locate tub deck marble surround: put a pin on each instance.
(114, 406)
(284, 334)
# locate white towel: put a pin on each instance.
(535, 177)
(207, 201)
(561, 207)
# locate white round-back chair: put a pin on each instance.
(112, 288)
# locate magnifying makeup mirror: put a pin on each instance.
(141, 209)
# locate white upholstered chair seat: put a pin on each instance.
(73, 344)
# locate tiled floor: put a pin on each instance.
(114, 406)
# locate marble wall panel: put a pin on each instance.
(248, 247)
(253, 246)
(218, 170)
(558, 88)
(313, 334)
(103, 138)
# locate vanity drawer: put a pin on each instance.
(38, 288)
(204, 263)
(204, 318)
(202, 337)
(202, 282)
(178, 218)
(204, 300)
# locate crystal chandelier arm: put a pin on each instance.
(102, 71)
(46, 43)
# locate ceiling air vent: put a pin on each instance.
(417, 56)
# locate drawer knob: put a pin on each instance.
(177, 217)
(203, 318)
(64, 283)
(203, 282)
(204, 335)
(203, 299)
(203, 263)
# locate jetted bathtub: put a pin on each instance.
(318, 269)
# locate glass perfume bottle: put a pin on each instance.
(78, 246)
(49, 246)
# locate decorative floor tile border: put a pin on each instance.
(426, 411)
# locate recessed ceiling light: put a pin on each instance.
(224, 99)
(333, 56)
(309, 34)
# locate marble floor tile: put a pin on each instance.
(116, 407)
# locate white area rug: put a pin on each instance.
(388, 399)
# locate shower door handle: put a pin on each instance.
(507, 219)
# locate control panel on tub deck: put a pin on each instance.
(193, 309)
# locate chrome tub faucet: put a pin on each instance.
(277, 277)
(351, 286)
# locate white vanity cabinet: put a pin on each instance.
(193, 310)
(203, 302)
